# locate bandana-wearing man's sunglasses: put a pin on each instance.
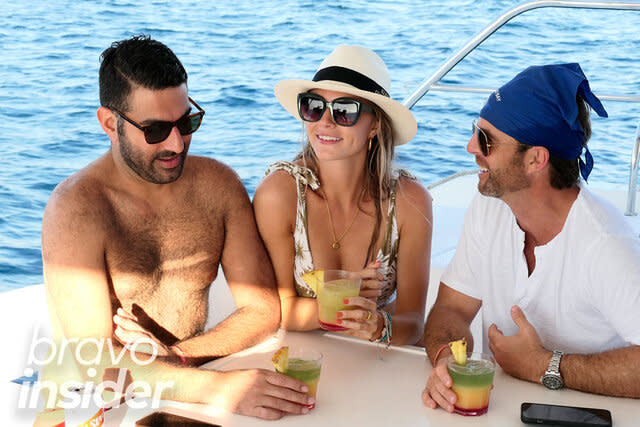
(483, 141)
(344, 111)
(158, 131)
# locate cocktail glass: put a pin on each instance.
(336, 286)
(304, 365)
(472, 383)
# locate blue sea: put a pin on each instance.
(235, 52)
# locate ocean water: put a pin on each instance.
(235, 52)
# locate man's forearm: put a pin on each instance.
(443, 326)
(407, 328)
(613, 373)
(247, 326)
(299, 313)
(149, 374)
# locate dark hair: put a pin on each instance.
(566, 173)
(138, 61)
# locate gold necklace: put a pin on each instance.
(336, 240)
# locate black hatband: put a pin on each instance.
(354, 78)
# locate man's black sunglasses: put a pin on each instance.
(158, 131)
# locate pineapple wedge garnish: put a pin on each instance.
(313, 279)
(280, 359)
(459, 350)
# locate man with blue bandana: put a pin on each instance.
(555, 268)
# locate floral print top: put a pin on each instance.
(303, 260)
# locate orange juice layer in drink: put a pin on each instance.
(472, 385)
(330, 301)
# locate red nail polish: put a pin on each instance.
(339, 322)
(339, 314)
(345, 301)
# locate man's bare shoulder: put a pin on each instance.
(208, 166)
(217, 186)
(213, 175)
(76, 221)
(81, 196)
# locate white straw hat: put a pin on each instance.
(357, 71)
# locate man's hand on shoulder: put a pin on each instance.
(521, 355)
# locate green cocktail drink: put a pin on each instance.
(472, 383)
(336, 286)
(307, 371)
(303, 365)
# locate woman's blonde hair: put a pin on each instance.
(378, 179)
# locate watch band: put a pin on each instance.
(552, 379)
(554, 364)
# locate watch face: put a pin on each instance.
(552, 382)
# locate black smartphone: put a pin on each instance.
(572, 416)
(165, 419)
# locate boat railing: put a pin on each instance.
(433, 82)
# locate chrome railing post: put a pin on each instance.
(633, 177)
(434, 80)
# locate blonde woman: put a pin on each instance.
(341, 205)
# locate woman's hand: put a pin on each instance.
(364, 321)
(371, 287)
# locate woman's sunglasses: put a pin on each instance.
(344, 111)
(158, 131)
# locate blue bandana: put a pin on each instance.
(538, 107)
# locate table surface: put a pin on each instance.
(361, 384)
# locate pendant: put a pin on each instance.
(335, 245)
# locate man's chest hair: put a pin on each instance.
(180, 243)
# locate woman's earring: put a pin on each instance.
(369, 144)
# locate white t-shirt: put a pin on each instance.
(584, 293)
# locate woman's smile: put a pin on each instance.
(327, 139)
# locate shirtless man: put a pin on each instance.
(132, 243)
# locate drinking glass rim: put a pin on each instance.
(306, 353)
(342, 273)
(474, 356)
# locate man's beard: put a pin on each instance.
(146, 170)
(506, 180)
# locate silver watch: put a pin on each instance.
(552, 378)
